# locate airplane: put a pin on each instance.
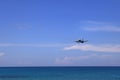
(81, 41)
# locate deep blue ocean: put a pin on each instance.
(59, 73)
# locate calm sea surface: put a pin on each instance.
(60, 73)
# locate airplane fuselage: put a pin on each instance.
(80, 41)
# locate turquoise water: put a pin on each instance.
(60, 73)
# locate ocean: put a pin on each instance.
(59, 73)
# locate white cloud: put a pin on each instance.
(23, 26)
(84, 57)
(72, 59)
(2, 53)
(63, 61)
(103, 28)
(99, 26)
(97, 48)
(33, 45)
(92, 22)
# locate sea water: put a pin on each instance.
(60, 73)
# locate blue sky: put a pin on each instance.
(42, 32)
